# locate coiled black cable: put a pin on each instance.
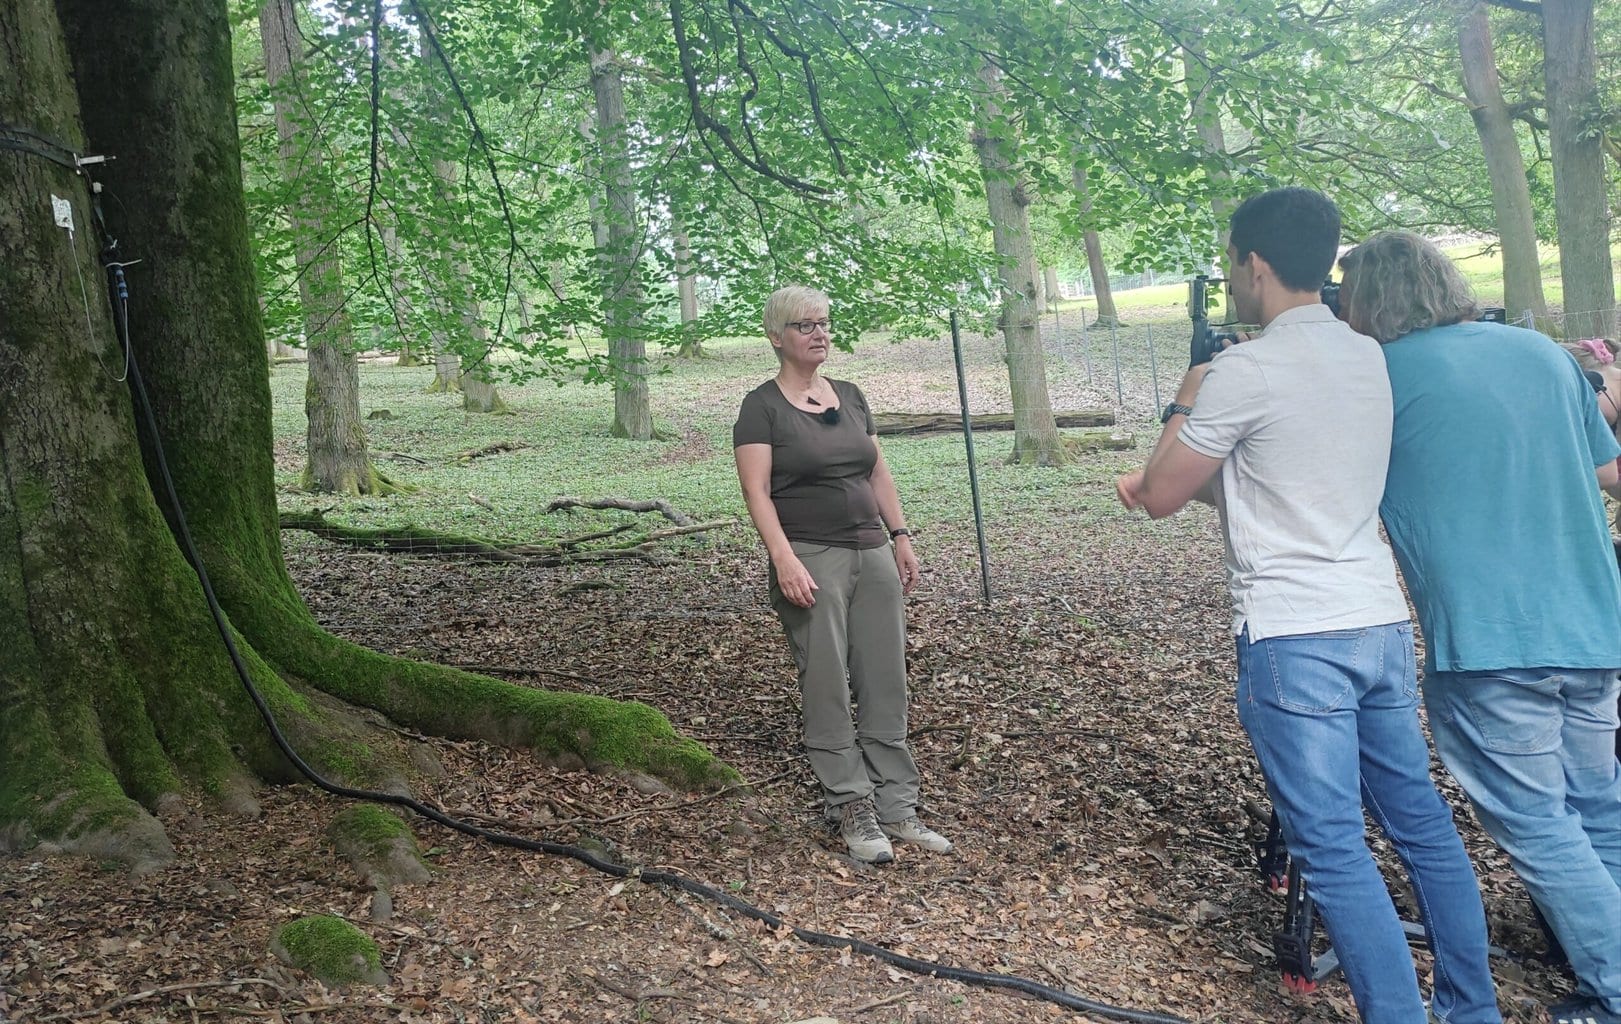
(119, 292)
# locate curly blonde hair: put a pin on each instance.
(1397, 282)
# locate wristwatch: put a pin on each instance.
(899, 532)
(1173, 409)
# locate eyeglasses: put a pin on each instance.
(809, 326)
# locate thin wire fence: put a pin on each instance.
(1121, 374)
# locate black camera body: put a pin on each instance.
(1207, 341)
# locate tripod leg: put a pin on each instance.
(1272, 857)
(1292, 943)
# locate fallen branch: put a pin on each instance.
(162, 990)
(658, 505)
(413, 541)
(678, 531)
(498, 448)
(879, 1003)
(637, 996)
(403, 457)
(569, 542)
(399, 539)
(949, 422)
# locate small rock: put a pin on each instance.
(647, 785)
(382, 906)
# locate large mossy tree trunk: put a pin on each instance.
(1035, 434)
(618, 262)
(1581, 200)
(336, 439)
(1511, 195)
(116, 696)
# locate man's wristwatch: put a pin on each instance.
(1173, 409)
(899, 532)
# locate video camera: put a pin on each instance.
(1207, 341)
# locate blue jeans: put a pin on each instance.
(1333, 718)
(1534, 749)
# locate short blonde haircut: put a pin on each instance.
(786, 304)
(1396, 283)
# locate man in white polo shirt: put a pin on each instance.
(1297, 423)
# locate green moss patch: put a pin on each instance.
(379, 845)
(330, 949)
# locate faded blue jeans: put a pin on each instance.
(1333, 718)
(1534, 749)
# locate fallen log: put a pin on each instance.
(411, 540)
(907, 423)
(659, 505)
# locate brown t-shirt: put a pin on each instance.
(821, 473)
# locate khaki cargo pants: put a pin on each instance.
(850, 647)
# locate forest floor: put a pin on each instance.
(1076, 737)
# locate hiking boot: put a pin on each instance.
(1582, 1011)
(858, 826)
(911, 830)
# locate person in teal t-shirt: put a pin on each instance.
(1492, 505)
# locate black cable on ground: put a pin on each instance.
(120, 297)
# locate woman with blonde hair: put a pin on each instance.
(1596, 357)
(826, 506)
(1492, 504)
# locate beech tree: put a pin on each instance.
(619, 250)
(116, 694)
(1511, 195)
(338, 461)
(1581, 196)
(1035, 433)
(1107, 315)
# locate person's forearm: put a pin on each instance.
(888, 497)
(1185, 395)
(764, 514)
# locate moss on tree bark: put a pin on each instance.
(116, 695)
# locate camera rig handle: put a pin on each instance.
(1206, 342)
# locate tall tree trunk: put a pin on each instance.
(447, 366)
(618, 262)
(115, 690)
(686, 288)
(457, 299)
(1580, 200)
(338, 462)
(1051, 289)
(1207, 123)
(1107, 316)
(1511, 196)
(1035, 434)
(398, 300)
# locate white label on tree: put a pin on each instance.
(64, 212)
